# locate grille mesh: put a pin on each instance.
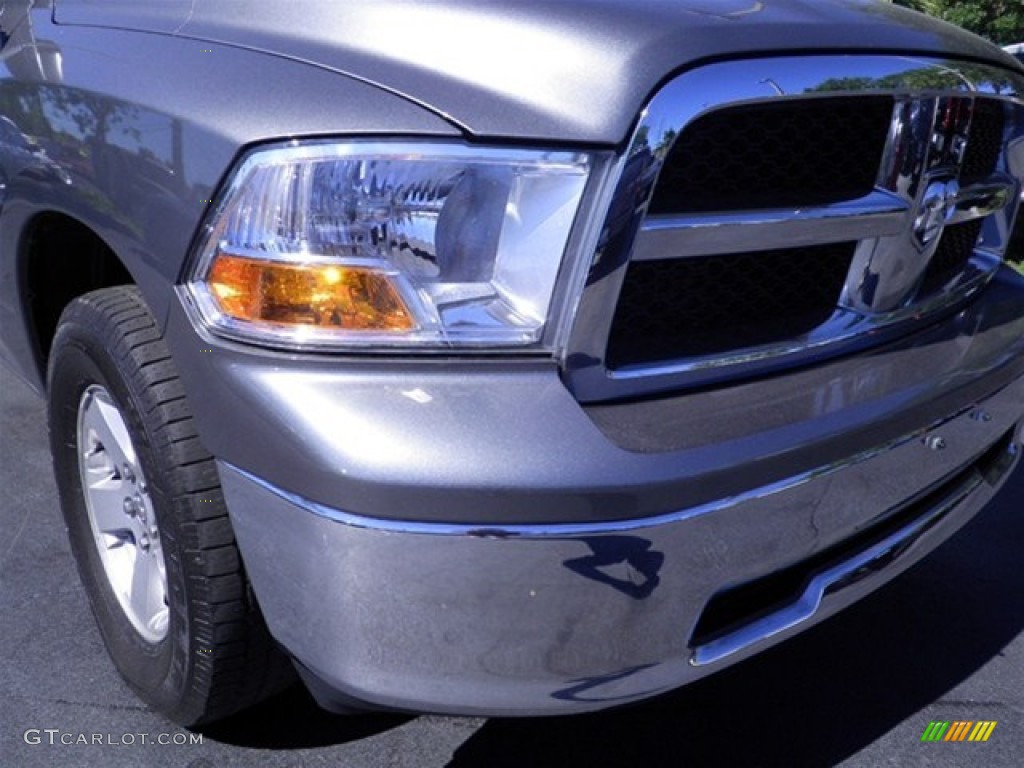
(985, 141)
(951, 257)
(1015, 251)
(776, 155)
(715, 304)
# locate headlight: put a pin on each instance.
(383, 244)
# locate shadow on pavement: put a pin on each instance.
(292, 720)
(823, 696)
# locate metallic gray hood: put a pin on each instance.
(558, 70)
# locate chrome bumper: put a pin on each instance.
(536, 619)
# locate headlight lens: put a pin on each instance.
(396, 245)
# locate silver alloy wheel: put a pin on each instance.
(121, 515)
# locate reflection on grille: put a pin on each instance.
(715, 304)
(985, 141)
(950, 260)
(793, 153)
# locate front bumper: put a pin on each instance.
(525, 620)
(468, 538)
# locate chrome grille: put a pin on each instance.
(738, 170)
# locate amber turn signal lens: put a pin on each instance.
(316, 295)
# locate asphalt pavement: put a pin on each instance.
(945, 642)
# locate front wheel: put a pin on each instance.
(146, 518)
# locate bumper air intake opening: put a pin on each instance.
(728, 617)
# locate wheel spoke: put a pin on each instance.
(158, 624)
(107, 500)
(145, 582)
(96, 461)
(103, 419)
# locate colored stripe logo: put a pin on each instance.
(958, 730)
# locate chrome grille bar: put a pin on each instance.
(674, 237)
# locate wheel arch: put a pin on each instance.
(60, 259)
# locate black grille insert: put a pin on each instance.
(950, 260)
(717, 304)
(985, 142)
(789, 153)
(1015, 250)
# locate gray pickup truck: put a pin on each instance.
(513, 358)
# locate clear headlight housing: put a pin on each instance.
(379, 244)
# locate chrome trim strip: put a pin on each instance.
(662, 237)
(880, 214)
(555, 530)
(843, 574)
(562, 530)
(921, 88)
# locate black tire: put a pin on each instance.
(215, 656)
